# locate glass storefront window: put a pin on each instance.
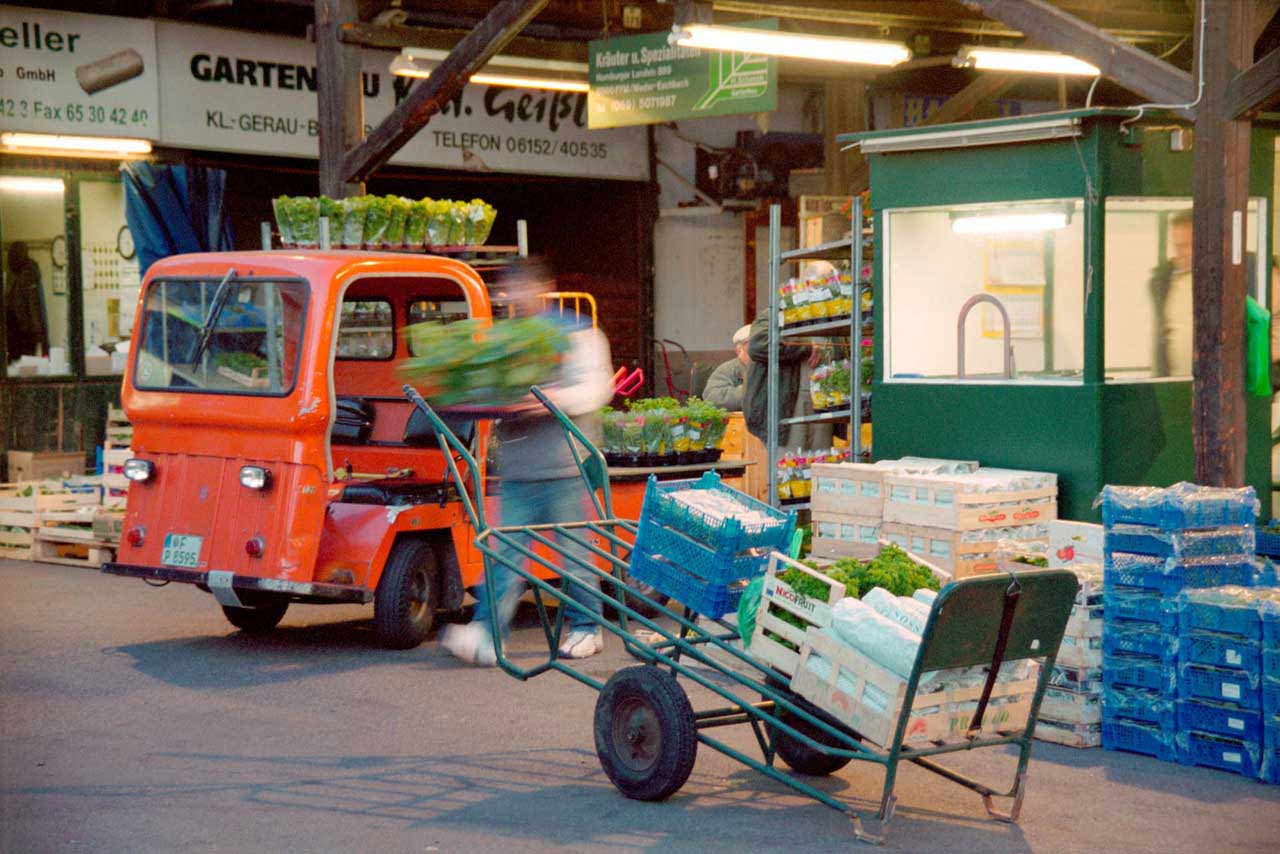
(109, 270)
(32, 226)
(1149, 307)
(237, 337)
(1027, 256)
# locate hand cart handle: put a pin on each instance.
(593, 468)
(627, 384)
(446, 439)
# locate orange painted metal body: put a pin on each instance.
(199, 440)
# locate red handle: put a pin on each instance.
(626, 384)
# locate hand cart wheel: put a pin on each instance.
(646, 737)
(802, 758)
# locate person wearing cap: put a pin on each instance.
(727, 383)
(540, 482)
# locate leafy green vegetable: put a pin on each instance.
(304, 219)
(280, 207)
(1032, 560)
(356, 210)
(397, 214)
(415, 225)
(892, 569)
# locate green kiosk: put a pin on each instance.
(1033, 301)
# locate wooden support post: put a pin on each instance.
(1054, 29)
(503, 22)
(1220, 186)
(341, 103)
(845, 111)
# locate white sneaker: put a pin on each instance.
(471, 643)
(582, 643)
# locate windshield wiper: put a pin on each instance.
(215, 309)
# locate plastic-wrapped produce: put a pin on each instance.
(1232, 610)
(887, 643)
(892, 607)
(281, 207)
(1144, 539)
(718, 505)
(1183, 505)
(925, 596)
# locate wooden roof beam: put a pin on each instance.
(490, 36)
(1131, 67)
(1255, 89)
(397, 36)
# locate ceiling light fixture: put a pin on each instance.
(516, 71)
(1010, 222)
(24, 184)
(1028, 61)
(793, 45)
(83, 146)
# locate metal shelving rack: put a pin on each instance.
(849, 248)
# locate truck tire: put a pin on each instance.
(646, 737)
(404, 605)
(257, 620)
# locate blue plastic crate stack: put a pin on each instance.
(700, 542)
(1158, 543)
(1228, 708)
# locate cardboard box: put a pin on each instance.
(857, 489)
(836, 535)
(1074, 543)
(38, 465)
(1069, 734)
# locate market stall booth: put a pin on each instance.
(1033, 304)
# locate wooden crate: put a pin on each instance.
(38, 465)
(1071, 707)
(108, 525)
(811, 611)
(72, 524)
(841, 535)
(848, 489)
(15, 543)
(23, 504)
(52, 548)
(937, 717)
(114, 456)
(1069, 734)
(949, 550)
(938, 501)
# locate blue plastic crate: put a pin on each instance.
(1242, 620)
(1144, 639)
(1148, 540)
(1220, 719)
(1168, 576)
(1213, 751)
(1139, 738)
(1139, 605)
(703, 597)
(1271, 662)
(718, 566)
(1270, 771)
(1268, 543)
(1198, 682)
(1223, 651)
(1270, 695)
(1141, 706)
(1183, 505)
(1271, 628)
(1121, 671)
(720, 533)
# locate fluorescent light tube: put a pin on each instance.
(23, 184)
(1029, 61)
(795, 45)
(87, 146)
(419, 63)
(1009, 223)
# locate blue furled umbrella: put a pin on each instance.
(173, 210)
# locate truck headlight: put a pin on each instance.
(138, 470)
(255, 477)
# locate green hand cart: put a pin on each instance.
(646, 729)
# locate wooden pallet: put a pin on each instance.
(91, 554)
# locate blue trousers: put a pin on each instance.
(540, 502)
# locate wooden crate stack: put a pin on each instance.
(960, 521)
(66, 520)
(116, 448)
(847, 502)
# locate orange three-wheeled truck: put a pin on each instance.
(275, 459)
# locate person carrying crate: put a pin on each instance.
(540, 482)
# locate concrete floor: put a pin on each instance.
(134, 719)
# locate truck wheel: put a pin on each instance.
(646, 737)
(799, 756)
(263, 618)
(404, 605)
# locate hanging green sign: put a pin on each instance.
(640, 80)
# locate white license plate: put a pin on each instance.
(181, 550)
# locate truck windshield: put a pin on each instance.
(250, 336)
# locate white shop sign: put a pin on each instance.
(61, 72)
(233, 91)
